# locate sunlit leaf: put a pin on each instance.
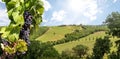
(9, 50)
(11, 5)
(22, 46)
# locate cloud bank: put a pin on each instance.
(4, 20)
(46, 5)
(76, 12)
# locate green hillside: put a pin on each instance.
(40, 31)
(57, 32)
(87, 41)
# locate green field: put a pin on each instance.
(40, 31)
(87, 41)
(56, 33)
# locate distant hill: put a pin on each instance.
(87, 41)
(57, 32)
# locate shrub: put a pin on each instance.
(101, 47)
(80, 50)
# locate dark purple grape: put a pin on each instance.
(5, 42)
(25, 31)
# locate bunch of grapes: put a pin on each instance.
(24, 34)
(25, 31)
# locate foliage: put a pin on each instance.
(38, 50)
(77, 34)
(113, 22)
(80, 50)
(67, 54)
(101, 47)
(114, 55)
(39, 32)
(18, 46)
(0, 27)
(56, 33)
(83, 41)
(15, 9)
(0, 45)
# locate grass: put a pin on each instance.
(39, 32)
(87, 41)
(56, 33)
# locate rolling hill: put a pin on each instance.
(57, 32)
(87, 41)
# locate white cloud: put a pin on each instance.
(76, 12)
(58, 16)
(1, 1)
(45, 20)
(47, 5)
(87, 8)
(77, 5)
(4, 21)
(92, 10)
(114, 1)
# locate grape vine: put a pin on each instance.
(25, 16)
(25, 31)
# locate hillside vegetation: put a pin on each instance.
(65, 38)
(57, 32)
(87, 41)
(40, 31)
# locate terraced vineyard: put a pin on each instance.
(87, 41)
(56, 33)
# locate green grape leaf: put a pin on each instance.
(40, 10)
(5, 33)
(11, 5)
(9, 50)
(10, 15)
(2, 29)
(22, 1)
(17, 18)
(21, 46)
(13, 37)
(6, 1)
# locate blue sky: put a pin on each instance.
(65, 12)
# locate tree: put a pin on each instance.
(113, 22)
(67, 54)
(80, 50)
(25, 16)
(101, 47)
